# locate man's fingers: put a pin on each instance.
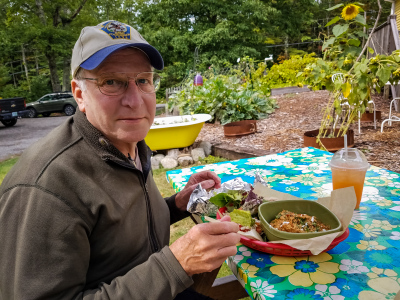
(227, 251)
(207, 184)
(219, 228)
(225, 219)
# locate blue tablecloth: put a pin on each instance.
(365, 266)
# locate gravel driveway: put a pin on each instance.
(14, 140)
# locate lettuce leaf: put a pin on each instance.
(229, 199)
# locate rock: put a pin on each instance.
(169, 162)
(159, 156)
(206, 147)
(155, 161)
(174, 153)
(198, 153)
(185, 161)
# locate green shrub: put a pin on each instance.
(284, 73)
(225, 98)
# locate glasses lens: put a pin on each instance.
(148, 82)
(113, 84)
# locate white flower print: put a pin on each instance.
(333, 293)
(395, 235)
(273, 160)
(261, 172)
(312, 168)
(395, 184)
(396, 208)
(358, 216)
(288, 181)
(323, 191)
(241, 254)
(353, 266)
(262, 289)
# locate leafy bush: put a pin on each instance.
(224, 98)
(284, 73)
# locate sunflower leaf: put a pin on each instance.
(354, 42)
(333, 21)
(360, 19)
(334, 7)
(328, 43)
(338, 30)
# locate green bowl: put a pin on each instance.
(267, 212)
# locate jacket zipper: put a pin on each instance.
(153, 240)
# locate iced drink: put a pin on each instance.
(348, 169)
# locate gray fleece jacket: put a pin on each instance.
(79, 221)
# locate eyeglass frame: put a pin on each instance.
(129, 77)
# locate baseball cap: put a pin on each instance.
(96, 43)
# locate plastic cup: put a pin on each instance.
(348, 169)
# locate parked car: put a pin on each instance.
(11, 109)
(54, 102)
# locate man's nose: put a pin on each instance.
(133, 95)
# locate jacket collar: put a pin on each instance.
(104, 148)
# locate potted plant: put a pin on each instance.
(345, 53)
(230, 99)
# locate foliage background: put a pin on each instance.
(223, 30)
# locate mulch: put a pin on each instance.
(301, 112)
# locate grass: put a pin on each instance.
(179, 228)
(5, 166)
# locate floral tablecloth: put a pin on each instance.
(365, 266)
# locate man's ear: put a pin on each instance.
(77, 92)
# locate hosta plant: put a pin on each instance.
(226, 98)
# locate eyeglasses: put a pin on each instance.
(114, 84)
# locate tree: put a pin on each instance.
(46, 27)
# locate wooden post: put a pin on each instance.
(386, 90)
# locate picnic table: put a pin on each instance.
(365, 266)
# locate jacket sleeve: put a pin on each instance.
(45, 254)
(175, 213)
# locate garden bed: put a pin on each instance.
(298, 113)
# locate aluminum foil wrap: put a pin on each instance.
(199, 201)
(258, 178)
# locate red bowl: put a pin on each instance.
(282, 249)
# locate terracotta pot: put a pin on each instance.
(331, 144)
(240, 128)
(369, 117)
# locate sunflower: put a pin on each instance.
(350, 11)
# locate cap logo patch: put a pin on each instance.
(117, 30)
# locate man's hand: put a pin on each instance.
(207, 179)
(206, 246)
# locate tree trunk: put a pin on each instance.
(25, 66)
(66, 72)
(55, 82)
(286, 47)
(40, 12)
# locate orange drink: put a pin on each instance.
(349, 169)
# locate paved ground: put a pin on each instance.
(14, 140)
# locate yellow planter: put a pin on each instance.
(175, 132)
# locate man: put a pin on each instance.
(80, 214)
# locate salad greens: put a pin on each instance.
(231, 199)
